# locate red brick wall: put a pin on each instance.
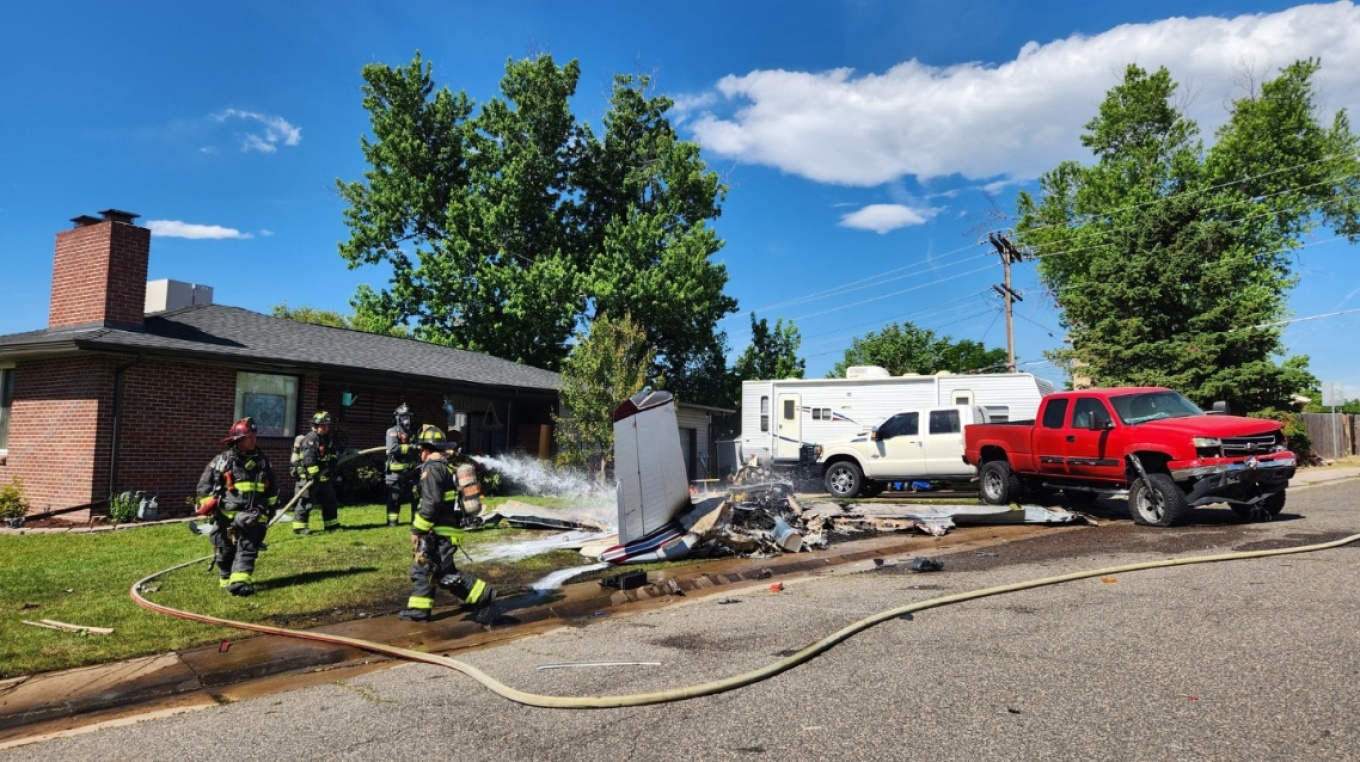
(99, 275)
(54, 430)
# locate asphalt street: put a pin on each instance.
(1241, 660)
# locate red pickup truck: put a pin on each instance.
(1148, 443)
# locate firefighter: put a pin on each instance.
(446, 501)
(316, 463)
(238, 491)
(403, 465)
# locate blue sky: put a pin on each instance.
(869, 146)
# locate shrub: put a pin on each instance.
(12, 501)
(123, 508)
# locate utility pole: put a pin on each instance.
(1009, 254)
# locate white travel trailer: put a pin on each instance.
(778, 417)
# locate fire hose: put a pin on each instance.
(717, 686)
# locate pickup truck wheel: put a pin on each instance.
(999, 485)
(1265, 510)
(844, 479)
(1157, 501)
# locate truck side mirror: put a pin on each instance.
(873, 434)
(1220, 408)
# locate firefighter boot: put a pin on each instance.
(414, 615)
(482, 613)
(241, 588)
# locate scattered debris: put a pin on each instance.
(53, 624)
(777, 587)
(726, 601)
(926, 564)
(625, 581)
(1108, 580)
(581, 665)
(223, 646)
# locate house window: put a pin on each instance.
(6, 402)
(270, 400)
(764, 413)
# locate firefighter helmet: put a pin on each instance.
(432, 437)
(322, 418)
(240, 430)
(402, 416)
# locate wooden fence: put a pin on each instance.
(1333, 434)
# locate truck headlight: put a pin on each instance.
(818, 450)
(1206, 442)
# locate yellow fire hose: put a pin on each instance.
(717, 686)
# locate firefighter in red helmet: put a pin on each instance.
(446, 499)
(238, 492)
(317, 464)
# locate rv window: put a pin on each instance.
(1054, 414)
(764, 413)
(963, 398)
(821, 414)
(789, 410)
(944, 422)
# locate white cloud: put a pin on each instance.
(1021, 117)
(177, 229)
(885, 218)
(276, 130)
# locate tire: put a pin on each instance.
(1157, 501)
(1267, 509)
(843, 479)
(998, 484)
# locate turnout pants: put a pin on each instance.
(319, 494)
(401, 489)
(434, 566)
(235, 549)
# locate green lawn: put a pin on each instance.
(84, 578)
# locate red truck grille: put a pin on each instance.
(1254, 445)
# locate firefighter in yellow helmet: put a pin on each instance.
(317, 460)
(237, 490)
(447, 499)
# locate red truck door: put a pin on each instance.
(1088, 441)
(1050, 446)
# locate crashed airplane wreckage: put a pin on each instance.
(660, 520)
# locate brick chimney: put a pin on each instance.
(99, 272)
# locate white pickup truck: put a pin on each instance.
(925, 443)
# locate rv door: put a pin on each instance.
(788, 427)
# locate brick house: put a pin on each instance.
(130, 387)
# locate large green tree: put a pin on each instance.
(771, 353)
(359, 321)
(907, 348)
(605, 367)
(510, 228)
(1170, 262)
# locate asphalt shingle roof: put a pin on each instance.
(231, 333)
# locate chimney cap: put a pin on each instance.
(84, 220)
(118, 215)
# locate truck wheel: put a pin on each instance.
(844, 479)
(999, 485)
(1157, 501)
(1265, 510)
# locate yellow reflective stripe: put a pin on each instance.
(239, 577)
(313, 470)
(416, 602)
(203, 500)
(451, 533)
(421, 524)
(249, 486)
(476, 593)
(273, 500)
(451, 496)
(405, 449)
(397, 466)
